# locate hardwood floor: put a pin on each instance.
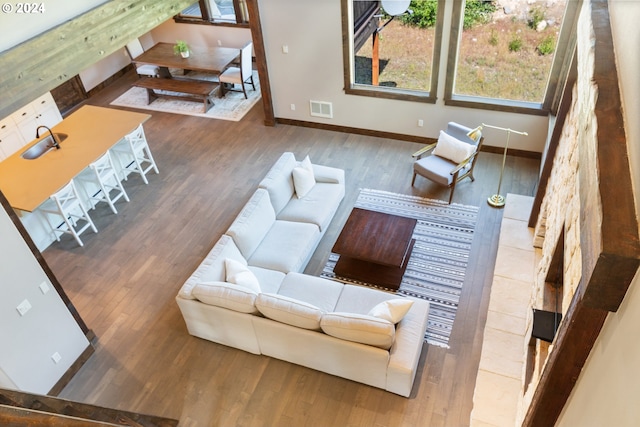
(124, 280)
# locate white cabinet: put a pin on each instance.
(20, 127)
(10, 140)
(42, 111)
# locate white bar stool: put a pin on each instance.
(66, 203)
(135, 145)
(103, 173)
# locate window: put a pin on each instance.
(392, 56)
(232, 12)
(506, 57)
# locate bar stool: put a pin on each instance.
(103, 173)
(135, 144)
(67, 204)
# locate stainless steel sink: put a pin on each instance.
(43, 146)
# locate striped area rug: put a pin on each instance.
(437, 265)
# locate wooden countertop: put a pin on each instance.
(92, 131)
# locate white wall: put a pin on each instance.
(29, 341)
(201, 35)
(19, 27)
(313, 70)
(626, 36)
(607, 390)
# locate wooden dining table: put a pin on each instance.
(205, 59)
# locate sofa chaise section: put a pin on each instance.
(318, 206)
(267, 242)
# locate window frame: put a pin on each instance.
(559, 68)
(207, 18)
(352, 88)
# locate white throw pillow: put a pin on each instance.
(452, 148)
(392, 310)
(303, 178)
(359, 328)
(239, 274)
(290, 311)
(226, 295)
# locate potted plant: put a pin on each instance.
(181, 48)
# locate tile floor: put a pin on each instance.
(500, 376)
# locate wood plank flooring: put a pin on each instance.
(124, 280)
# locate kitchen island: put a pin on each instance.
(26, 184)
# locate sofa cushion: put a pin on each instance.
(359, 328)
(303, 179)
(437, 169)
(226, 295)
(317, 207)
(392, 310)
(452, 148)
(252, 223)
(239, 274)
(322, 293)
(286, 247)
(361, 299)
(211, 269)
(269, 280)
(279, 181)
(290, 311)
(328, 174)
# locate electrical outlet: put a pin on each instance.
(420, 123)
(23, 307)
(44, 288)
(293, 107)
(56, 357)
(285, 48)
(219, 42)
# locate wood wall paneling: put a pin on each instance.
(50, 59)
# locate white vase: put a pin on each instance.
(185, 54)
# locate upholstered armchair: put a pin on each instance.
(451, 159)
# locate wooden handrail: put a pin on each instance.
(26, 409)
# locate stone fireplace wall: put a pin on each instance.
(560, 210)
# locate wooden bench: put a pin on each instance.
(194, 90)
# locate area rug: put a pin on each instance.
(232, 107)
(437, 266)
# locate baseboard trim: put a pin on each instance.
(401, 137)
(512, 152)
(73, 369)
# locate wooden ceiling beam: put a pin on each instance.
(53, 57)
(609, 241)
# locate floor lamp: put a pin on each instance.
(497, 200)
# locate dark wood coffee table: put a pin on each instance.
(374, 247)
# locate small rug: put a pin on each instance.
(232, 107)
(439, 259)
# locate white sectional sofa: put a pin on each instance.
(249, 292)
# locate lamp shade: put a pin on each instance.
(476, 133)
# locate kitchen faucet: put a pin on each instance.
(53, 138)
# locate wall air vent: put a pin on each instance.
(321, 109)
